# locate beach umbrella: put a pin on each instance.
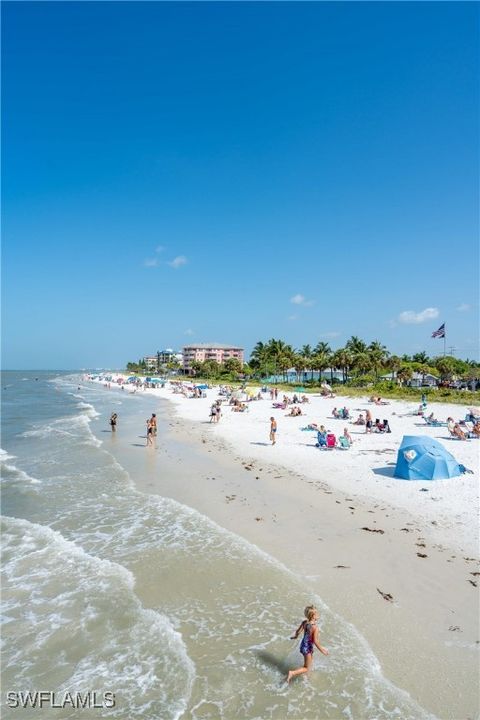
(423, 458)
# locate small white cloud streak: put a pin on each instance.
(189, 331)
(297, 299)
(410, 317)
(178, 262)
(159, 249)
(292, 317)
(301, 300)
(464, 307)
(151, 262)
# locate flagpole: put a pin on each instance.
(444, 340)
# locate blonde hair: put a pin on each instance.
(310, 612)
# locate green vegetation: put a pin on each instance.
(365, 370)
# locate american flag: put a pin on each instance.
(440, 332)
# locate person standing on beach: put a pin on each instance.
(273, 430)
(368, 421)
(219, 410)
(113, 421)
(153, 421)
(311, 639)
(150, 433)
(213, 413)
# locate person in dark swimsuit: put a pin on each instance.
(310, 640)
(150, 432)
(273, 430)
(113, 421)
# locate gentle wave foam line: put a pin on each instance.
(23, 539)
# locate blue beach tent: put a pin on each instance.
(422, 458)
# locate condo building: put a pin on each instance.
(209, 351)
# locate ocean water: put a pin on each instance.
(106, 589)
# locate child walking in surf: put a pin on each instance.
(311, 639)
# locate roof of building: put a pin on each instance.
(213, 346)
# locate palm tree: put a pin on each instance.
(324, 349)
(307, 354)
(378, 356)
(259, 356)
(404, 374)
(300, 364)
(343, 359)
(320, 362)
(283, 363)
(446, 367)
(355, 345)
(393, 364)
(362, 362)
(421, 358)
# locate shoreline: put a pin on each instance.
(426, 638)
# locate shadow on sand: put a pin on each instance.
(260, 443)
(385, 471)
(273, 662)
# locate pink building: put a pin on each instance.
(209, 351)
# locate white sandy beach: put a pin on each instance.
(309, 509)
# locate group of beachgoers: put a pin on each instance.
(463, 430)
(151, 423)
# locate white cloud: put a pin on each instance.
(410, 317)
(301, 300)
(292, 317)
(178, 262)
(151, 262)
(297, 299)
(189, 331)
(159, 249)
(464, 307)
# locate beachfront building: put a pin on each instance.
(209, 351)
(150, 362)
(161, 359)
(167, 356)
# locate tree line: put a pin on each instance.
(358, 362)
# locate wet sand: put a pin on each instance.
(414, 600)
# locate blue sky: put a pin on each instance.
(231, 172)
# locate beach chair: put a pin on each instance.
(343, 443)
(331, 441)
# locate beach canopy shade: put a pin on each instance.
(423, 458)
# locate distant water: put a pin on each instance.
(108, 589)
